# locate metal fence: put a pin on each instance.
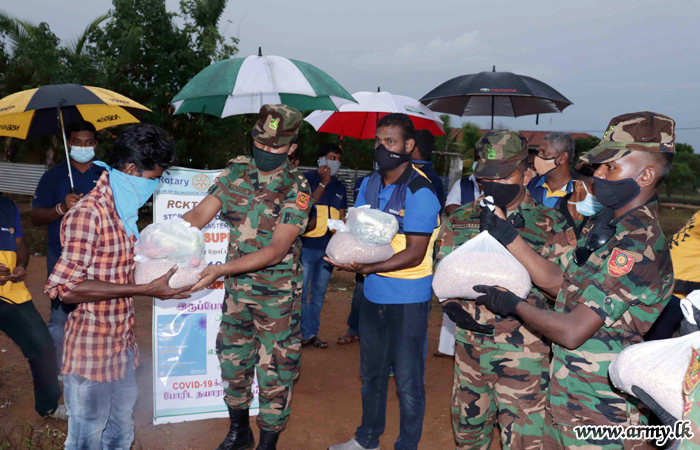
(16, 178)
(347, 176)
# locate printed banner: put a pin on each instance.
(186, 373)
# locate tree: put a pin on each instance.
(582, 145)
(142, 53)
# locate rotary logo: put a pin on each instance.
(201, 182)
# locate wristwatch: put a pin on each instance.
(322, 185)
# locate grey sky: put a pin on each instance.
(608, 57)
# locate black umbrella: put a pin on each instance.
(495, 94)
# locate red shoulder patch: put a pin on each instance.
(303, 200)
(571, 236)
(692, 378)
(620, 262)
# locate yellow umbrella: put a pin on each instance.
(43, 111)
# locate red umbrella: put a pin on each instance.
(359, 120)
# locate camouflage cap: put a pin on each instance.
(640, 131)
(277, 125)
(500, 152)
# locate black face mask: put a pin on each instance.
(387, 160)
(267, 161)
(616, 194)
(503, 194)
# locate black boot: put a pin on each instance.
(268, 440)
(240, 436)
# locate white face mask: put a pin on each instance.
(82, 154)
(589, 206)
(334, 165)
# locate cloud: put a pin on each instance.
(462, 48)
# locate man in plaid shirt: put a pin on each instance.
(95, 273)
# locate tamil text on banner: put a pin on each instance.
(186, 374)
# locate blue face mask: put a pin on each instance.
(589, 206)
(130, 194)
(82, 154)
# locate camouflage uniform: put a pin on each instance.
(627, 282)
(503, 376)
(260, 326)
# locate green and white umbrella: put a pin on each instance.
(243, 85)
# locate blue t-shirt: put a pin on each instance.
(10, 225)
(335, 196)
(421, 214)
(539, 192)
(53, 188)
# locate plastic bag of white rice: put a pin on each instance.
(480, 260)
(658, 368)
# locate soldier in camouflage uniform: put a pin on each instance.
(500, 366)
(616, 283)
(266, 204)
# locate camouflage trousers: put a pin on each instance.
(561, 437)
(260, 334)
(492, 385)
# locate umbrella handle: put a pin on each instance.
(65, 146)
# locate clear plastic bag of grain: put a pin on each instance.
(162, 245)
(153, 269)
(372, 226)
(480, 260)
(658, 368)
(345, 248)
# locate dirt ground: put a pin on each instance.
(326, 406)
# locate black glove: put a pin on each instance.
(502, 230)
(463, 319)
(662, 414)
(497, 299)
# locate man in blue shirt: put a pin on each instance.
(20, 320)
(422, 158)
(553, 165)
(394, 312)
(330, 202)
(53, 199)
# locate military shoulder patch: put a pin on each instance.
(620, 262)
(303, 200)
(691, 380)
(571, 236)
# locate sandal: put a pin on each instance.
(316, 342)
(348, 339)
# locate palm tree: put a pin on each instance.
(76, 45)
(18, 31)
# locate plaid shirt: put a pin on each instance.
(96, 247)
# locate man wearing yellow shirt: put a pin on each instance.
(685, 254)
(19, 319)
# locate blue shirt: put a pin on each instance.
(334, 197)
(427, 168)
(421, 212)
(542, 194)
(53, 188)
(10, 225)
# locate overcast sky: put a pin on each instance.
(607, 57)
